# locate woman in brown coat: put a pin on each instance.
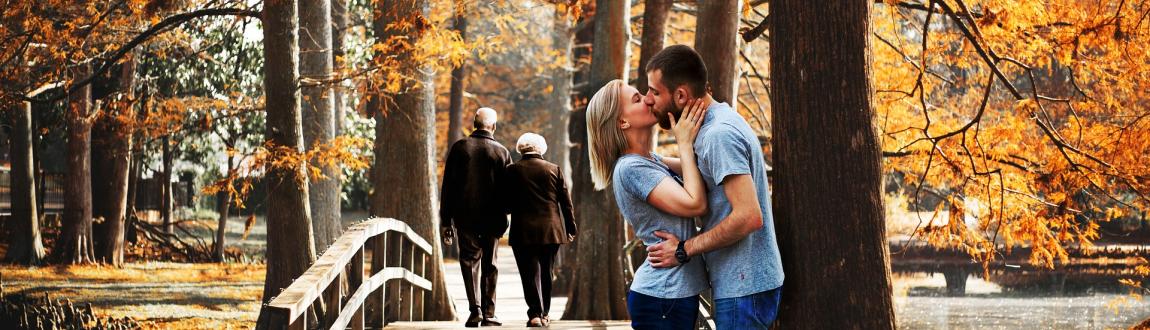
(541, 220)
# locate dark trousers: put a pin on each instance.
(534, 262)
(651, 313)
(477, 261)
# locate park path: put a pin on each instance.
(510, 307)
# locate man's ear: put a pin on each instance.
(682, 96)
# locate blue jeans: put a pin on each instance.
(648, 312)
(754, 311)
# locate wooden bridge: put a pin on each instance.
(391, 287)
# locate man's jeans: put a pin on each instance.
(755, 311)
(649, 312)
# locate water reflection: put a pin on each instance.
(921, 303)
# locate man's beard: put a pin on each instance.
(664, 122)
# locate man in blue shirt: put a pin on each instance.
(738, 242)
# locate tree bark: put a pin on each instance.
(318, 122)
(74, 246)
(458, 75)
(291, 248)
(338, 52)
(111, 156)
(597, 292)
(558, 139)
(828, 202)
(165, 183)
(717, 41)
(223, 205)
(404, 170)
(654, 32)
(566, 263)
(24, 243)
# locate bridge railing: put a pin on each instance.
(397, 253)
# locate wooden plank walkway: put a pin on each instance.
(510, 307)
(518, 325)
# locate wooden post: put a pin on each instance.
(420, 259)
(300, 323)
(354, 281)
(405, 307)
(378, 299)
(395, 252)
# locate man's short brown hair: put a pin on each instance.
(680, 65)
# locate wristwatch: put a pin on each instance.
(681, 253)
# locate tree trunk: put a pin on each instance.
(112, 152)
(134, 181)
(74, 245)
(717, 41)
(338, 54)
(24, 244)
(566, 263)
(290, 246)
(558, 139)
(318, 124)
(458, 75)
(166, 184)
(597, 292)
(827, 200)
(654, 32)
(404, 171)
(223, 206)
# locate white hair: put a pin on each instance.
(485, 118)
(531, 143)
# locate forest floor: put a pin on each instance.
(161, 295)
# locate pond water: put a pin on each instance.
(920, 303)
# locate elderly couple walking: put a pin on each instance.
(480, 187)
(719, 178)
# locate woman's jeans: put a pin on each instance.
(754, 311)
(648, 312)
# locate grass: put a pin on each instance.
(160, 295)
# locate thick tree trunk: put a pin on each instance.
(291, 248)
(24, 244)
(717, 40)
(654, 32)
(458, 75)
(576, 131)
(597, 293)
(404, 171)
(558, 139)
(111, 156)
(338, 54)
(318, 121)
(74, 246)
(828, 202)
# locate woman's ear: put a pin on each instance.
(623, 124)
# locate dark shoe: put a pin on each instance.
(473, 321)
(546, 321)
(491, 322)
(535, 322)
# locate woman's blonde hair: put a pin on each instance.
(603, 133)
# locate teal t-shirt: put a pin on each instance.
(634, 178)
(727, 146)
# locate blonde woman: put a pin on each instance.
(654, 193)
